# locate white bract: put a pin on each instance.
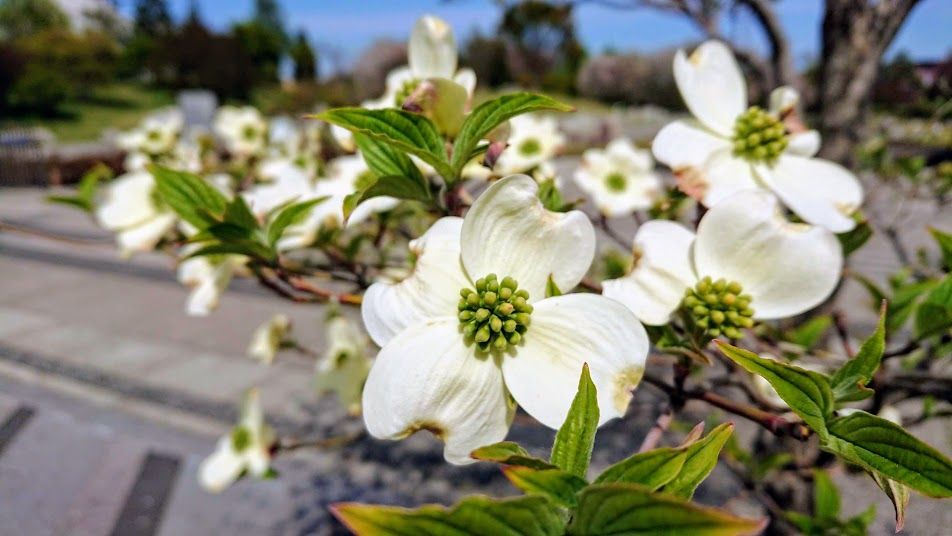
(471, 327)
(131, 208)
(767, 266)
(243, 130)
(266, 340)
(533, 140)
(728, 147)
(208, 276)
(345, 363)
(246, 448)
(431, 54)
(620, 179)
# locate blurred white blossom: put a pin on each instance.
(247, 447)
(620, 179)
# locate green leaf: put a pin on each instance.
(856, 238)
(509, 453)
(934, 314)
(810, 332)
(551, 289)
(86, 190)
(477, 516)
(849, 382)
(291, 215)
(631, 509)
(409, 132)
(551, 197)
(826, 498)
(189, 196)
(488, 115)
(884, 447)
(223, 232)
(238, 213)
(244, 247)
(556, 484)
(652, 469)
(945, 246)
(898, 494)
(386, 160)
(807, 393)
(393, 186)
(572, 449)
(700, 459)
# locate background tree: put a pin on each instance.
(152, 18)
(304, 58)
(22, 18)
(542, 49)
(264, 39)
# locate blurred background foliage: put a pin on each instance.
(116, 69)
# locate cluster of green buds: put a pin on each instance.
(496, 314)
(759, 136)
(719, 308)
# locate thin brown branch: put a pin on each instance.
(657, 430)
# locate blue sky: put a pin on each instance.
(350, 26)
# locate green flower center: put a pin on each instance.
(154, 135)
(759, 136)
(249, 133)
(405, 91)
(530, 147)
(616, 182)
(240, 438)
(496, 314)
(719, 307)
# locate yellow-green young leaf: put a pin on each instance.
(556, 484)
(651, 469)
(391, 185)
(945, 245)
(488, 115)
(509, 453)
(934, 314)
(572, 449)
(386, 160)
(898, 494)
(880, 446)
(551, 289)
(848, 383)
(826, 498)
(476, 516)
(807, 393)
(193, 199)
(290, 215)
(700, 459)
(408, 132)
(238, 213)
(634, 510)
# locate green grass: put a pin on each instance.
(119, 106)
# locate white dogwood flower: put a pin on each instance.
(243, 130)
(247, 447)
(746, 262)
(344, 366)
(289, 183)
(471, 328)
(431, 53)
(620, 179)
(131, 208)
(728, 147)
(266, 340)
(208, 277)
(157, 134)
(534, 139)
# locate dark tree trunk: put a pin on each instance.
(856, 33)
